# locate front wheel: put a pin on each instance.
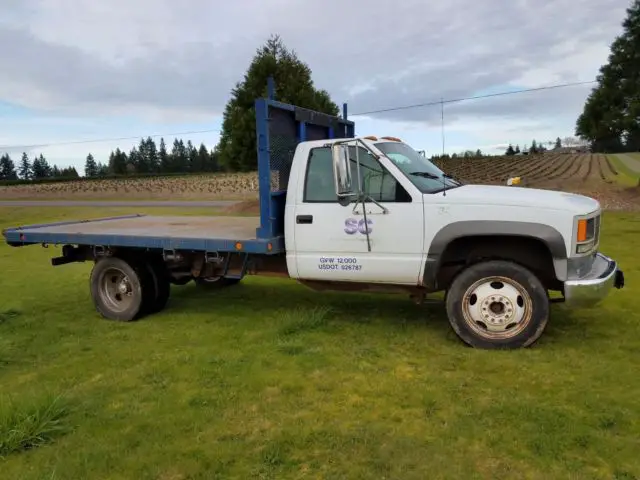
(497, 304)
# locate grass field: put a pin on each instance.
(270, 380)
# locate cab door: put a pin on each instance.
(336, 243)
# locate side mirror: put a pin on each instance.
(342, 171)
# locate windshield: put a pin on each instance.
(416, 167)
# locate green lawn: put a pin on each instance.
(271, 380)
(626, 176)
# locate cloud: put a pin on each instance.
(149, 54)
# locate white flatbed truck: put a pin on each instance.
(357, 213)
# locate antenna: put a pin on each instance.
(444, 182)
(442, 122)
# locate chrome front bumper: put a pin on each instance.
(593, 287)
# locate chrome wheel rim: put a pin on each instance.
(497, 308)
(116, 290)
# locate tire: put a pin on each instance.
(161, 284)
(109, 279)
(497, 305)
(215, 283)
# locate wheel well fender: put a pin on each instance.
(534, 245)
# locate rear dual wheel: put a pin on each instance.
(126, 289)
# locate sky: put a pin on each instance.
(80, 77)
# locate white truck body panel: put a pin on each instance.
(334, 246)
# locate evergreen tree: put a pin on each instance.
(25, 167)
(41, 168)
(163, 158)
(102, 170)
(133, 164)
(534, 147)
(517, 149)
(203, 159)
(293, 85)
(510, 150)
(118, 162)
(192, 155)
(69, 172)
(90, 167)
(179, 157)
(56, 173)
(153, 162)
(558, 143)
(610, 120)
(213, 164)
(7, 168)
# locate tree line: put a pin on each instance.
(146, 158)
(149, 158)
(36, 169)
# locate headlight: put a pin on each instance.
(587, 234)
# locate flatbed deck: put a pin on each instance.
(200, 233)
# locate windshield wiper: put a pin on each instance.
(451, 178)
(435, 177)
(426, 175)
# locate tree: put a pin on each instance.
(179, 157)
(510, 150)
(517, 149)
(294, 85)
(90, 167)
(534, 147)
(41, 168)
(558, 143)
(213, 162)
(25, 167)
(610, 120)
(69, 172)
(163, 158)
(118, 162)
(7, 168)
(103, 170)
(192, 155)
(151, 151)
(203, 159)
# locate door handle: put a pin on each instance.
(304, 219)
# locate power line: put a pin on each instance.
(112, 139)
(453, 100)
(391, 109)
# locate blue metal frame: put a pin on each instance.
(272, 203)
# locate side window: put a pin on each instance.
(318, 185)
(376, 180)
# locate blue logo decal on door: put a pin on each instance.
(353, 226)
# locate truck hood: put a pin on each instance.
(519, 197)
